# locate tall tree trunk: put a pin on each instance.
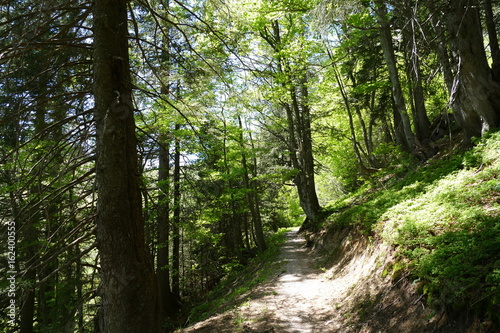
(477, 93)
(233, 231)
(253, 205)
(254, 183)
(493, 39)
(305, 182)
(298, 116)
(440, 47)
(129, 287)
(390, 58)
(367, 131)
(421, 121)
(176, 247)
(168, 301)
(347, 104)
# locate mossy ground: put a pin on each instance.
(443, 219)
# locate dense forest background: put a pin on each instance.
(149, 147)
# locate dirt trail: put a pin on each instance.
(355, 293)
(302, 298)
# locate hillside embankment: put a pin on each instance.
(417, 250)
(340, 284)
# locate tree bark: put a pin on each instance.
(421, 121)
(232, 229)
(390, 58)
(305, 182)
(477, 94)
(168, 301)
(129, 287)
(347, 104)
(253, 204)
(299, 128)
(177, 217)
(440, 47)
(493, 39)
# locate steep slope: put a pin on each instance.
(418, 251)
(441, 222)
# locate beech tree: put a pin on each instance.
(291, 79)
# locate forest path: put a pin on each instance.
(301, 298)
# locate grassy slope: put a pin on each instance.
(444, 220)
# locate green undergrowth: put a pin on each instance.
(237, 284)
(443, 219)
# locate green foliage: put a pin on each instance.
(286, 210)
(220, 72)
(444, 219)
(241, 280)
